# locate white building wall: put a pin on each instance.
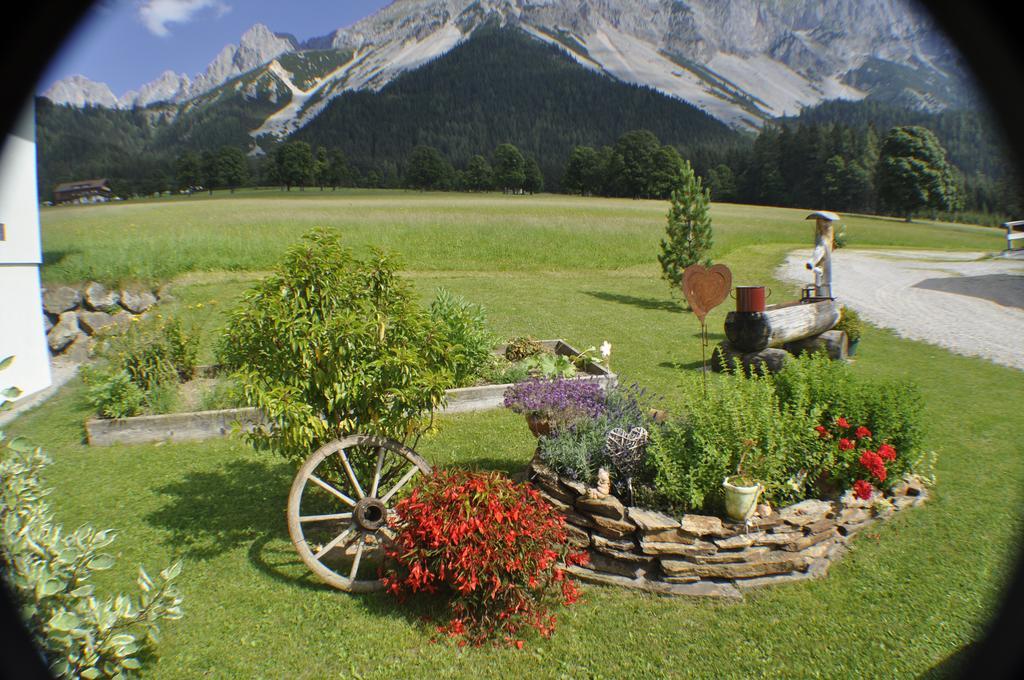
(22, 334)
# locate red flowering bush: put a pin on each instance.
(492, 548)
(855, 464)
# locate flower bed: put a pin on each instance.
(703, 555)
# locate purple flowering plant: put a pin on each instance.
(560, 401)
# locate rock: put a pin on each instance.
(540, 471)
(62, 299)
(702, 525)
(901, 502)
(669, 536)
(612, 528)
(63, 332)
(606, 506)
(649, 520)
(853, 516)
(809, 540)
(578, 538)
(621, 545)
(819, 526)
(574, 486)
(700, 548)
(697, 589)
(807, 511)
(99, 299)
(737, 569)
(767, 522)
(555, 490)
(737, 542)
(681, 579)
(849, 500)
(164, 292)
(579, 520)
(93, 322)
(763, 510)
(833, 342)
(79, 350)
(557, 503)
(47, 324)
(747, 555)
(137, 302)
(603, 563)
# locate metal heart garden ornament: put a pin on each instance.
(706, 288)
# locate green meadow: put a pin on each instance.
(910, 596)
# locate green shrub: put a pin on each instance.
(850, 322)
(112, 393)
(891, 409)
(138, 369)
(330, 344)
(520, 348)
(225, 393)
(464, 331)
(80, 634)
(740, 418)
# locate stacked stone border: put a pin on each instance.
(701, 555)
(72, 315)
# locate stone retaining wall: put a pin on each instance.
(72, 315)
(707, 556)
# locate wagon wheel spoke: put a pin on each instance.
(376, 471)
(359, 533)
(351, 474)
(402, 482)
(337, 540)
(357, 559)
(327, 487)
(325, 518)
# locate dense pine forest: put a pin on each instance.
(506, 112)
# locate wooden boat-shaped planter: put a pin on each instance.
(780, 324)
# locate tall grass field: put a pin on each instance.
(906, 601)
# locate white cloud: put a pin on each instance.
(157, 14)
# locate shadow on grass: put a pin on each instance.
(210, 513)
(54, 257)
(654, 304)
(688, 366)
(280, 562)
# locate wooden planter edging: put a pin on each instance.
(706, 556)
(199, 425)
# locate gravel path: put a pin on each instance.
(964, 302)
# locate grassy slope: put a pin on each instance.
(908, 596)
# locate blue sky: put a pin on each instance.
(126, 43)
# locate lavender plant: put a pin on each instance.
(561, 402)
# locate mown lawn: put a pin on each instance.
(910, 594)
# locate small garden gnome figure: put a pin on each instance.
(821, 260)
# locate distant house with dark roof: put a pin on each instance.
(84, 191)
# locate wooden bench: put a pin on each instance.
(1012, 233)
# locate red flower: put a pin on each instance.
(862, 432)
(842, 422)
(822, 432)
(874, 463)
(887, 452)
(846, 445)
(862, 489)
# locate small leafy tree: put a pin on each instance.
(689, 227)
(330, 344)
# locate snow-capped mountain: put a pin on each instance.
(257, 46)
(741, 61)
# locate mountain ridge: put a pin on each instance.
(743, 62)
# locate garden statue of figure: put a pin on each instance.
(821, 260)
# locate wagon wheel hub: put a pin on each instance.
(370, 514)
(339, 503)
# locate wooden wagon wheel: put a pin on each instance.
(339, 504)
